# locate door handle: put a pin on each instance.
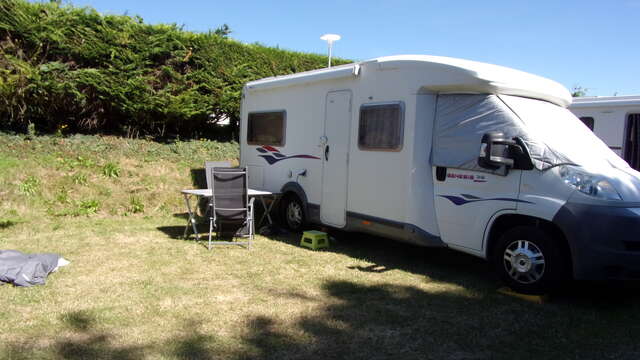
(441, 173)
(326, 153)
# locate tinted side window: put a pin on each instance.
(381, 127)
(266, 128)
(589, 121)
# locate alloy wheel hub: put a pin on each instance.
(524, 261)
(294, 214)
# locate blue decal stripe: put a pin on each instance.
(457, 200)
(272, 159)
(471, 197)
(271, 155)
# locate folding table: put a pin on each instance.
(260, 194)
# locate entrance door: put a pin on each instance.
(632, 141)
(335, 158)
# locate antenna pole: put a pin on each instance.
(330, 38)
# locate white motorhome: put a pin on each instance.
(615, 120)
(445, 152)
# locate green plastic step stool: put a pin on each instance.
(314, 240)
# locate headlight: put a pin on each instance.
(589, 184)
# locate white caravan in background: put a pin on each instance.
(615, 120)
(445, 152)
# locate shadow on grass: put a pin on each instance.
(373, 322)
(177, 231)
(87, 341)
(453, 267)
(352, 320)
(5, 224)
(438, 264)
(194, 344)
(389, 321)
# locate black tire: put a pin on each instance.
(292, 213)
(528, 260)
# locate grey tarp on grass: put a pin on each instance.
(23, 269)
(462, 120)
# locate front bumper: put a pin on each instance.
(604, 240)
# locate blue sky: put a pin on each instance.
(594, 44)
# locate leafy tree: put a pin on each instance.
(69, 67)
(223, 30)
(578, 91)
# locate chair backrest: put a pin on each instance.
(208, 165)
(230, 193)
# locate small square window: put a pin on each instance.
(266, 128)
(589, 121)
(381, 127)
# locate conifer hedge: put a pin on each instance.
(71, 68)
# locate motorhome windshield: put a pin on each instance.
(561, 131)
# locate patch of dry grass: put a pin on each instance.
(103, 176)
(135, 290)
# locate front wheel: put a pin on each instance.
(528, 260)
(293, 214)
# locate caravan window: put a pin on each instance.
(381, 126)
(266, 128)
(589, 121)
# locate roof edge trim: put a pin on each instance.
(338, 72)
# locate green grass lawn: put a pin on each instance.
(135, 289)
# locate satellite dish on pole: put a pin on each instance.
(330, 38)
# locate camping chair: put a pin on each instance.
(230, 209)
(209, 165)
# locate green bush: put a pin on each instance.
(66, 69)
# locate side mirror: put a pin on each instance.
(494, 151)
(500, 153)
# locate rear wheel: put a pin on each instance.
(293, 215)
(528, 260)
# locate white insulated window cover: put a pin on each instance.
(462, 120)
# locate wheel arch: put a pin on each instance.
(503, 222)
(294, 188)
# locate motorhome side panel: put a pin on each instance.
(391, 190)
(610, 121)
(269, 165)
(274, 166)
(608, 125)
(421, 207)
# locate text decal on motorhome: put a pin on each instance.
(475, 178)
(466, 198)
(273, 155)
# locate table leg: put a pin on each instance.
(267, 210)
(191, 220)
